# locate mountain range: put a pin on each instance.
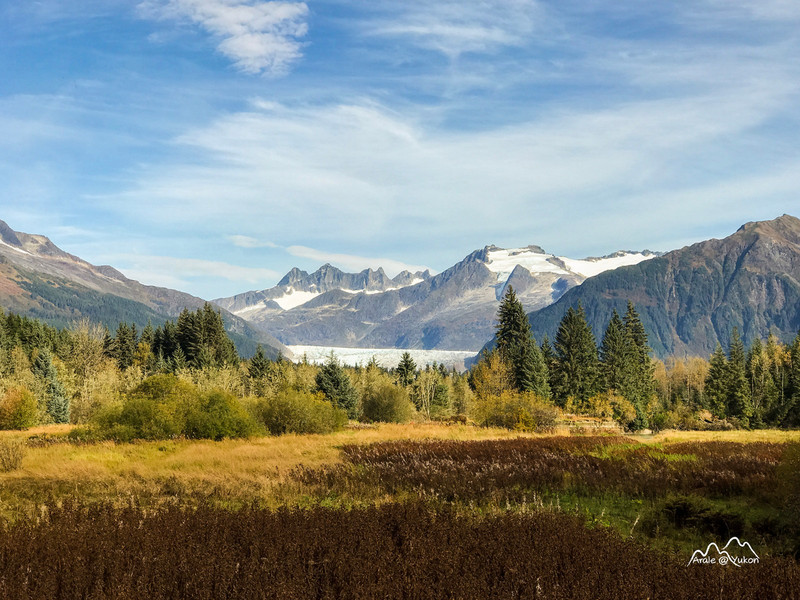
(454, 310)
(690, 299)
(38, 279)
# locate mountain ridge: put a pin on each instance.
(691, 298)
(40, 280)
(452, 310)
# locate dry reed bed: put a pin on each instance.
(497, 470)
(392, 551)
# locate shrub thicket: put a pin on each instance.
(18, 409)
(293, 411)
(387, 403)
(523, 411)
(163, 407)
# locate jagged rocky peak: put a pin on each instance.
(9, 236)
(293, 277)
(405, 278)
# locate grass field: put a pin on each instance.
(659, 496)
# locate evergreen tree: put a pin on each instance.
(641, 383)
(550, 360)
(148, 334)
(518, 347)
(335, 384)
(788, 413)
(259, 364)
(577, 367)
(716, 385)
(57, 403)
(177, 361)
(738, 400)
(616, 356)
(406, 370)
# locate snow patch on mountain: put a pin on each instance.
(20, 250)
(293, 298)
(589, 267)
(503, 262)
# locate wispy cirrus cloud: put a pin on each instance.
(245, 241)
(259, 37)
(454, 28)
(177, 273)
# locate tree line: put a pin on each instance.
(745, 387)
(76, 374)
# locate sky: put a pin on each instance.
(212, 145)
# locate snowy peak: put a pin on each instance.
(504, 261)
(299, 287)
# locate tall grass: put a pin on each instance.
(392, 551)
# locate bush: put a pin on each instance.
(610, 405)
(164, 407)
(218, 415)
(387, 403)
(11, 454)
(18, 409)
(292, 411)
(523, 411)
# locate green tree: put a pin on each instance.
(518, 347)
(577, 365)
(335, 384)
(56, 401)
(641, 383)
(259, 364)
(739, 400)
(406, 370)
(716, 388)
(615, 356)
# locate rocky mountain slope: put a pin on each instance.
(690, 299)
(454, 310)
(38, 279)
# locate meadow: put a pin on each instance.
(424, 510)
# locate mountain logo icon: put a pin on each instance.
(735, 552)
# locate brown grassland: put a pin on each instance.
(417, 511)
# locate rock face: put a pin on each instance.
(690, 299)
(454, 310)
(38, 279)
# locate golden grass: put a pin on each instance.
(230, 472)
(758, 435)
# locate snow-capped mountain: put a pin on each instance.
(454, 310)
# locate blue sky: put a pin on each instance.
(211, 145)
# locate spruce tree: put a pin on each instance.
(57, 403)
(518, 347)
(335, 384)
(406, 370)
(616, 356)
(641, 383)
(716, 385)
(259, 364)
(788, 413)
(738, 398)
(577, 363)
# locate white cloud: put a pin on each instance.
(176, 272)
(244, 241)
(260, 37)
(454, 28)
(349, 262)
